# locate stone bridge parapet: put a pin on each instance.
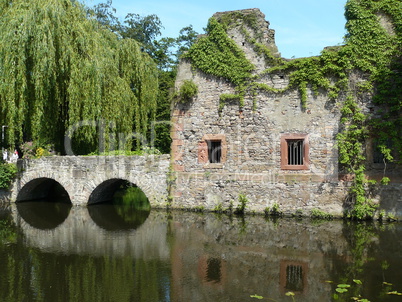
(80, 176)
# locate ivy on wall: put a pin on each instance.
(218, 55)
(372, 49)
(188, 90)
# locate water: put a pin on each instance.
(55, 252)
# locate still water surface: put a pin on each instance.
(55, 252)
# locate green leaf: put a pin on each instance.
(394, 293)
(257, 297)
(335, 296)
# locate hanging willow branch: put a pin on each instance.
(57, 68)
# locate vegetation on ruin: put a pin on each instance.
(273, 211)
(320, 215)
(367, 66)
(242, 205)
(218, 55)
(188, 90)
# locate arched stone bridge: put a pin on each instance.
(91, 179)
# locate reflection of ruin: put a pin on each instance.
(293, 276)
(212, 259)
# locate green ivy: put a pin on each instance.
(350, 146)
(227, 97)
(218, 55)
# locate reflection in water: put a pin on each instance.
(294, 278)
(43, 215)
(113, 217)
(132, 196)
(126, 208)
(181, 256)
(213, 271)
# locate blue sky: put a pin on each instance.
(302, 28)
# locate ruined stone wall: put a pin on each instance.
(254, 137)
(252, 163)
(251, 145)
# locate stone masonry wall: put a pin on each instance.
(81, 175)
(253, 166)
(251, 162)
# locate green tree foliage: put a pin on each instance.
(105, 15)
(59, 67)
(144, 29)
(165, 52)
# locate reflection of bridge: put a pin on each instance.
(77, 233)
(91, 179)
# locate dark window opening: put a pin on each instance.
(214, 273)
(214, 151)
(378, 156)
(295, 152)
(294, 278)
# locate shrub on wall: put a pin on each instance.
(7, 174)
(187, 91)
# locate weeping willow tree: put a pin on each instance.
(60, 69)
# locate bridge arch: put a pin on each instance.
(106, 190)
(42, 188)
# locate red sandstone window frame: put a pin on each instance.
(203, 156)
(291, 137)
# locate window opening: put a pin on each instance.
(214, 151)
(295, 152)
(378, 156)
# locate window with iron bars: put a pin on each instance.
(214, 151)
(294, 152)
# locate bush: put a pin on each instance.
(318, 214)
(275, 211)
(187, 91)
(7, 174)
(32, 150)
(241, 207)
